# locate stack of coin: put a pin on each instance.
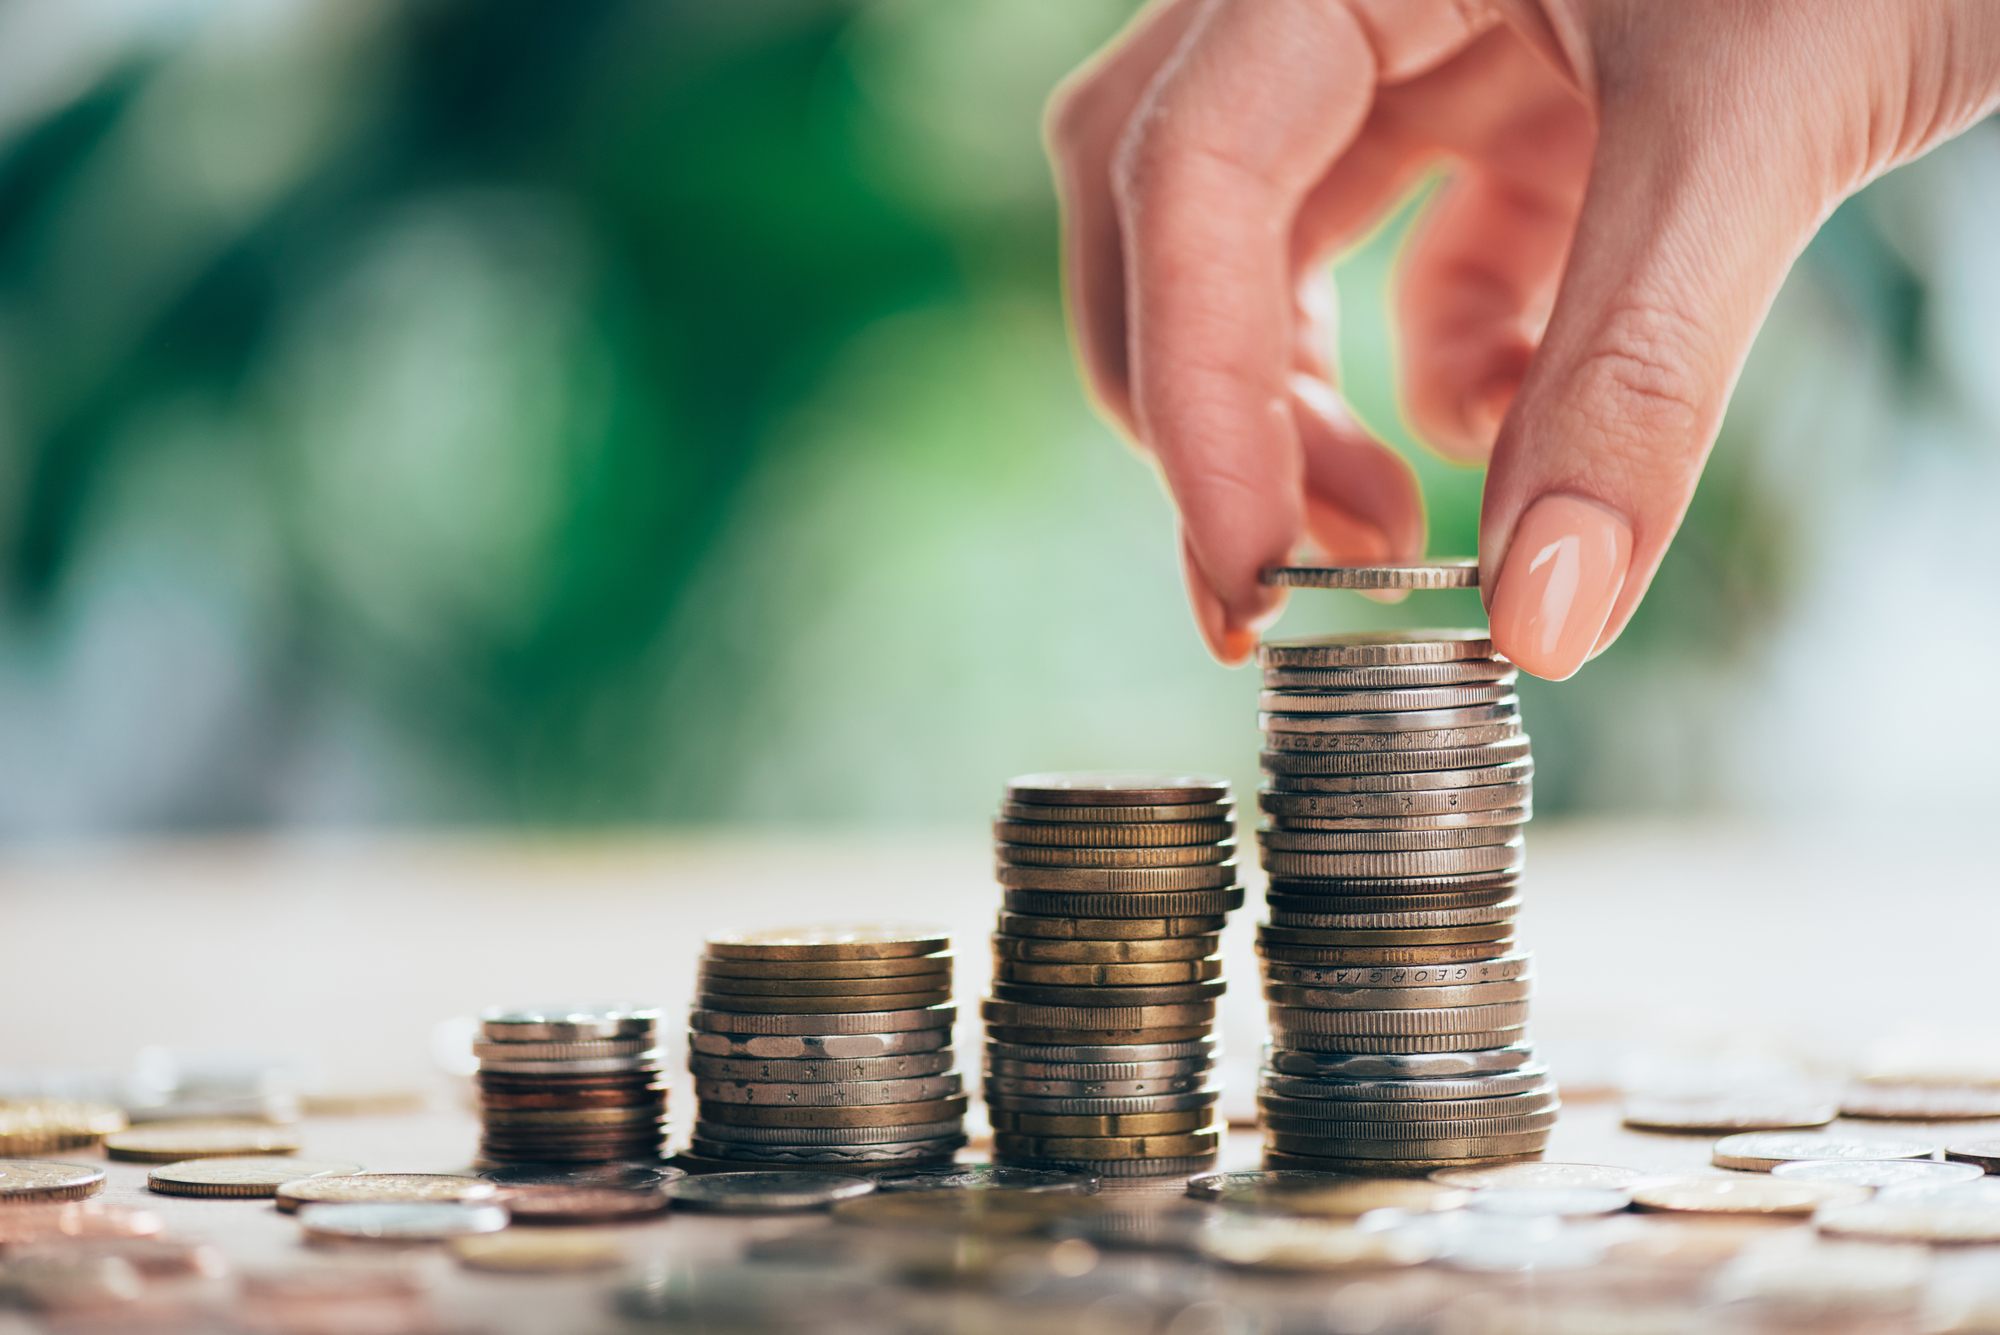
(825, 1048)
(1099, 1033)
(1397, 780)
(569, 1083)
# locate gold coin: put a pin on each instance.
(170, 1142)
(33, 1180)
(1345, 1200)
(377, 1188)
(42, 1126)
(1748, 1195)
(1044, 928)
(1107, 1124)
(1165, 973)
(1108, 1147)
(1093, 1038)
(1047, 950)
(839, 941)
(1285, 1244)
(241, 1179)
(904, 966)
(729, 985)
(851, 1005)
(528, 1251)
(1001, 1211)
(879, 1114)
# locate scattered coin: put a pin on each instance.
(1759, 1151)
(1308, 1245)
(171, 1142)
(581, 1205)
(1936, 1222)
(999, 1212)
(1878, 1173)
(1563, 1202)
(1742, 1195)
(1984, 1154)
(32, 1180)
(537, 1252)
(984, 1177)
(766, 1193)
(1339, 1196)
(623, 1177)
(1728, 1114)
(47, 1126)
(1920, 1103)
(242, 1179)
(383, 1188)
(398, 1223)
(1542, 1177)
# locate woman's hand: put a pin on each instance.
(1630, 182)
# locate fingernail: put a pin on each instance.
(1562, 574)
(1230, 643)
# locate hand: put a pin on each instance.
(1630, 182)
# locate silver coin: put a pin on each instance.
(1879, 1172)
(1462, 820)
(834, 1094)
(1398, 998)
(1280, 742)
(1117, 788)
(1410, 804)
(1281, 783)
(1390, 1023)
(987, 1177)
(1438, 862)
(817, 1026)
(1437, 1045)
(1117, 815)
(1356, 1129)
(1539, 1099)
(1925, 1221)
(569, 1021)
(1215, 1186)
(1452, 572)
(1398, 976)
(899, 1151)
(1160, 1070)
(399, 1222)
(1760, 1151)
(1122, 1168)
(1094, 1089)
(1743, 1112)
(1427, 765)
(1533, 1076)
(1401, 701)
(766, 1193)
(819, 1047)
(1111, 880)
(616, 1176)
(1150, 834)
(1405, 920)
(1063, 1054)
(827, 1135)
(1540, 1176)
(1089, 1107)
(645, 1061)
(1982, 1191)
(515, 1050)
(1402, 720)
(1563, 1202)
(1375, 648)
(906, 1066)
(1383, 841)
(1114, 859)
(1406, 677)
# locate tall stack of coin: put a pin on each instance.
(825, 1048)
(570, 1083)
(1099, 1033)
(1397, 780)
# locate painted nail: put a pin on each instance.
(1557, 586)
(1231, 644)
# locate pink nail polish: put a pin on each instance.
(1562, 574)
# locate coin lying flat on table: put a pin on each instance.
(1562, 1202)
(623, 1177)
(1758, 1151)
(1919, 1103)
(1936, 1221)
(535, 1252)
(568, 1022)
(47, 1126)
(1728, 1114)
(32, 1180)
(766, 1193)
(1742, 1195)
(383, 1188)
(1542, 1177)
(985, 1177)
(241, 1178)
(169, 1142)
(1117, 788)
(838, 941)
(1444, 573)
(581, 1205)
(1878, 1173)
(398, 1223)
(1984, 1154)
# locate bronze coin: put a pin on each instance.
(1091, 788)
(648, 1095)
(1043, 927)
(886, 1114)
(580, 1205)
(1046, 950)
(897, 967)
(1163, 973)
(1029, 1034)
(1107, 1124)
(1031, 994)
(863, 1005)
(1383, 955)
(839, 941)
(824, 987)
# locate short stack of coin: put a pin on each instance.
(825, 1048)
(1099, 1033)
(1397, 780)
(571, 1083)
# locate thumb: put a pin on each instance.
(1690, 222)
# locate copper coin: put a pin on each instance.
(838, 941)
(378, 1188)
(902, 966)
(651, 1096)
(1043, 950)
(890, 1114)
(1096, 1037)
(1113, 788)
(581, 1205)
(1043, 927)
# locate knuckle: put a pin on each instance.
(1641, 387)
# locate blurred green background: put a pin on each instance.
(575, 412)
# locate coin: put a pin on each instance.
(1147, 834)
(1117, 788)
(1492, 818)
(1165, 973)
(242, 1178)
(1181, 813)
(624, 1177)
(995, 1212)
(1426, 937)
(1402, 978)
(1035, 855)
(1150, 906)
(1411, 676)
(893, 1114)
(1399, 700)
(382, 1188)
(1043, 928)
(1332, 1126)
(647, 1062)
(1028, 1036)
(563, 1052)
(1129, 1168)
(1214, 1186)
(1334, 1195)
(841, 941)
(814, 1008)
(1029, 1015)
(1402, 1044)
(766, 1193)
(1442, 1090)
(1406, 1110)
(1408, 804)
(843, 1093)
(1983, 1153)
(1734, 1113)
(615, 1099)
(1123, 998)
(1399, 998)
(1375, 648)
(985, 1177)
(1562, 1202)
(1326, 1147)
(1204, 1096)
(900, 966)
(1385, 841)
(1758, 1151)
(1934, 1222)
(1542, 1177)
(1424, 764)
(1006, 1068)
(1036, 1087)
(1492, 857)
(1385, 1023)
(1366, 912)
(1379, 786)
(1919, 1103)
(1019, 950)
(1445, 573)
(830, 1158)
(1203, 1049)
(1876, 1173)
(1463, 1064)
(902, 1067)
(581, 1205)
(793, 988)
(531, 1252)
(1741, 1195)
(1104, 1124)
(398, 1223)
(170, 1142)
(1107, 880)
(1417, 1166)
(1282, 719)
(1281, 742)
(1098, 1148)
(43, 1126)
(1462, 953)
(820, 1047)
(568, 1022)
(819, 1025)
(64, 1220)
(33, 1180)
(745, 1134)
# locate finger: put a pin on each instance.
(1691, 221)
(1227, 144)
(1086, 115)
(1363, 505)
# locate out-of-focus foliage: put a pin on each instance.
(607, 410)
